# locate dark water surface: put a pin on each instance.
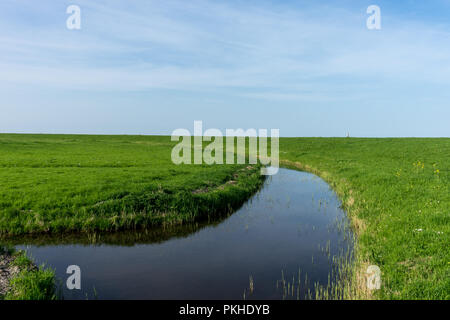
(291, 227)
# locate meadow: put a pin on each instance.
(53, 184)
(395, 191)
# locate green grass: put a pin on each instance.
(396, 192)
(57, 183)
(30, 283)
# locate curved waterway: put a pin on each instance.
(282, 244)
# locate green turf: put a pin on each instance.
(396, 191)
(57, 183)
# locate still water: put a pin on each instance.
(286, 234)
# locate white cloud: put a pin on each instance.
(201, 45)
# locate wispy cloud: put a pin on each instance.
(203, 44)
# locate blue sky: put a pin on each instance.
(308, 68)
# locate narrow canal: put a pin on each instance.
(282, 244)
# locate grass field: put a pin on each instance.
(396, 192)
(52, 183)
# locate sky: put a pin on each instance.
(308, 68)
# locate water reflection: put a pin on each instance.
(281, 244)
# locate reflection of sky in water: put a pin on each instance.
(284, 227)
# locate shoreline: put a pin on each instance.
(7, 272)
(354, 288)
(188, 206)
(21, 279)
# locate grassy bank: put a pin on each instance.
(396, 192)
(57, 183)
(27, 281)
